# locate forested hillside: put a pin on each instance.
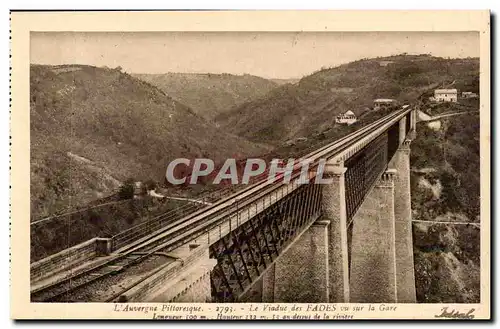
(310, 106)
(446, 187)
(92, 128)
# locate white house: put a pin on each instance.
(445, 95)
(346, 118)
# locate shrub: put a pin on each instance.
(150, 185)
(404, 69)
(127, 189)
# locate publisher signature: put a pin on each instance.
(453, 314)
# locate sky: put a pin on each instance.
(267, 54)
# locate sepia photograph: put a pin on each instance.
(284, 172)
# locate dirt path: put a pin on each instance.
(188, 200)
(444, 115)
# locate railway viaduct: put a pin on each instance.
(349, 240)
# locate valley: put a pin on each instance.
(209, 95)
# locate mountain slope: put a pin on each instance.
(445, 187)
(210, 94)
(123, 126)
(285, 81)
(309, 107)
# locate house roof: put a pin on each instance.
(349, 113)
(445, 91)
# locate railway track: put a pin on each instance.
(193, 225)
(59, 289)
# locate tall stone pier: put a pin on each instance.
(373, 254)
(334, 210)
(316, 267)
(403, 228)
(301, 273)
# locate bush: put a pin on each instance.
(150, 185)
(403, 70)
(127, 189)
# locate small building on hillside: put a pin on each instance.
(445, 95)
(385, 63)
(469, 94)
(383, 103)
(294, 141)
(346, 118)
(138, 188)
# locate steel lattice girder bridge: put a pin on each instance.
(345, 241)
(244, 254)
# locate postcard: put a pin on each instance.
(250, 165)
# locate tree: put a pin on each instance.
(403, 69)
(127, 189)
(150, 185)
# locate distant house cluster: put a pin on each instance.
(450, 95)
(347, 118)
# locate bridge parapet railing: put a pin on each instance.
(244, 252)
(154, 224)
(369, 162)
